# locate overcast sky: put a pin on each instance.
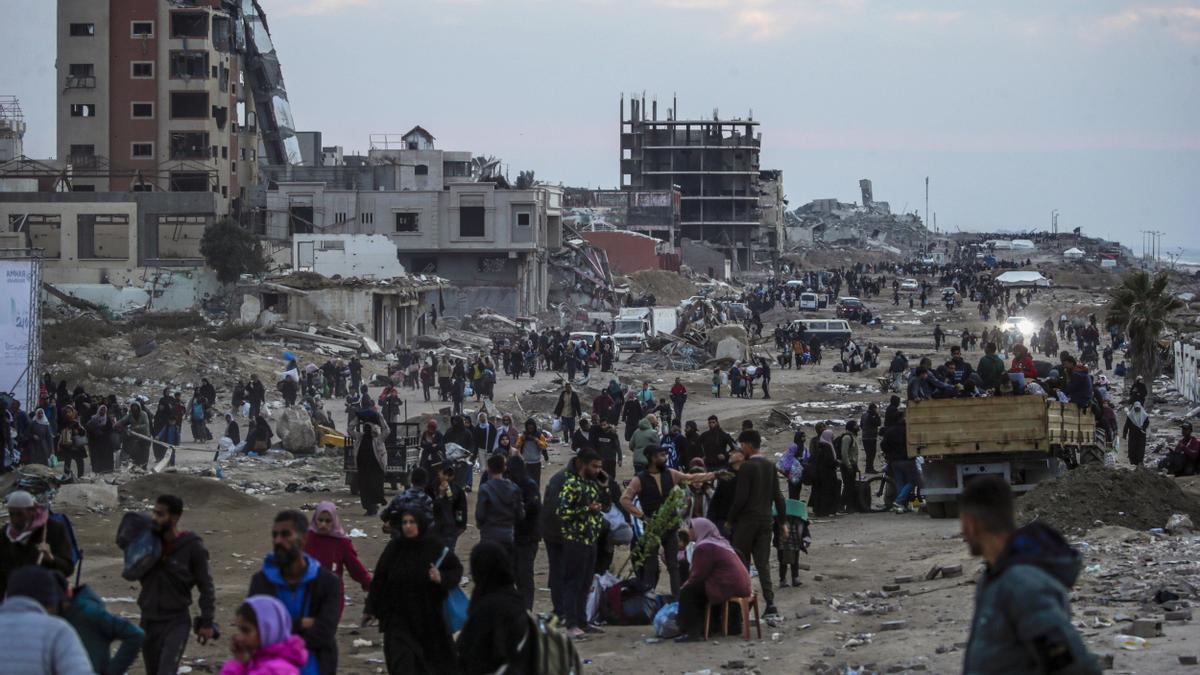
(1013, 108)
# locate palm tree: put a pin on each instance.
(1141, 307)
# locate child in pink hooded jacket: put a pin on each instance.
(263, 643)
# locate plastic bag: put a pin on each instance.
(595, 599)
(666, 621)
(556, 425)
(245, 409)
(455, 609)
(143, 548)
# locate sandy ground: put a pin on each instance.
(834, 618)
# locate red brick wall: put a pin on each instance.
(627, 251)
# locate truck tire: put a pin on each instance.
(936, 509)
(952, 509)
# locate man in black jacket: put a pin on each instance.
(499, 506)
(870, 423)
(568, 409)
(167, 591)
(552, 534)
(607, 444)
(717, 445)
(750, 516)
(895, 451)
(311, 593)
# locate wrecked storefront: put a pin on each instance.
(338, 314)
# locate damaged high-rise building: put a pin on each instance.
(727, 200)
(170, 95)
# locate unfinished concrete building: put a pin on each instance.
(714, 164)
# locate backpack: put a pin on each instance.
(76, 551)
(553, 652)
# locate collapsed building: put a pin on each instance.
(871, 225)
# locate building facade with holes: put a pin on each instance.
(490, 243)
(160, 95)
(117, 249)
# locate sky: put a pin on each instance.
(1012, 109)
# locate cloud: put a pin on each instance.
(318, 7)
(1179, 21)
(928, 17)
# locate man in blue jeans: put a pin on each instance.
(895, 451)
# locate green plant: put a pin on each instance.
(232, 251)
(1142, 308)
(664, 521)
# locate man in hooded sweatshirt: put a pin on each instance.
(167, 591)
(311, 593)
(1022, 621)
(645, 436)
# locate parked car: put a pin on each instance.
(909, 285)
(851, 308)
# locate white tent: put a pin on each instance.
(1022, 279)
(1073, 254)
(1023, 245)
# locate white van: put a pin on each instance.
(829, 332)
(809, 302)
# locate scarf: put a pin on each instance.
(707, 533)
(39, 417)
(1137, 414)
(40, 517)
(336, 530)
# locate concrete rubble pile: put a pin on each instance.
(580, 274)
(343, 339)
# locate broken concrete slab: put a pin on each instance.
(86, 496)
(1146, 628)
(731, 348)
(295, 430)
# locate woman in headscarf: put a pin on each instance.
(263, 643)
(494, 638)
(72, 441)
(408, 590)
(371, 466)
(526, 533)
(138, 422)
(716, 575)
(41, 439)
(99, 434)
(631, 414)
(329, 544)
(826, 487)
(433, 447)
(1137, 422)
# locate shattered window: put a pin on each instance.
(189, 24)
